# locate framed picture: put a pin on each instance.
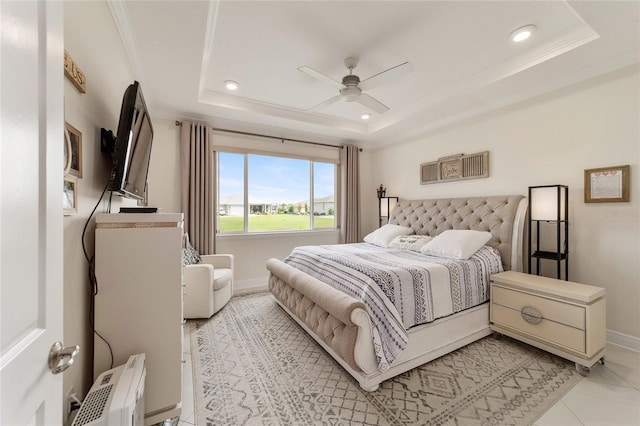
(70, 195)
(73, 142)
(606, 184)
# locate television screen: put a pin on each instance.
(132, 150)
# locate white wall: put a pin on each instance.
(551, 139)
(91, 39)
(164, 166)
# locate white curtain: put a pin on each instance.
(349, 194)
(198, 188)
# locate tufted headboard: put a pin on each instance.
(502, 216)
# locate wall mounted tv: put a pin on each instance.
(132, 148)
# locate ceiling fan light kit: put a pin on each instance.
(351, 87)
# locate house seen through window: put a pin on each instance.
(263, 193)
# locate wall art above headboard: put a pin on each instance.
(455, 167)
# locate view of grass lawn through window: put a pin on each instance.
(283, 193)
(277, 222)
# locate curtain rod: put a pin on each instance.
(237, 132)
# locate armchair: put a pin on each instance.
(208, 285)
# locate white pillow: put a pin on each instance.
(456, 244)
(382, 236)
(410, 242)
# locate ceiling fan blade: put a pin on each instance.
(372, 103)
(319, 76)
(325, 103)
(386, 76)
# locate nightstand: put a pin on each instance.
(561, 317)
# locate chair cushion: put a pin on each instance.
(221, 277)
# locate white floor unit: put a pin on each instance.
(116, 397)
(138, 305)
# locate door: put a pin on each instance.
(31, 173)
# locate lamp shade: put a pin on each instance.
(386, 205)
(544, 202)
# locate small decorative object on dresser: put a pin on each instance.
(564, 318)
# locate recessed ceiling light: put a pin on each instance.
(522, 33)
(231, 85)
(365, 116)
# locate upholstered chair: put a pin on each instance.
(208, 285)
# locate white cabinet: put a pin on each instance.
(138, 305)
(561, 317)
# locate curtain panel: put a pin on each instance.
(198, 195)
(349, 194)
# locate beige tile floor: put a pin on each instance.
(610, 395)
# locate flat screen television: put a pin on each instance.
(132, 148)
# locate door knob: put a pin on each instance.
(61, 358)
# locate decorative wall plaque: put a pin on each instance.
(455, 167)
(73, 72)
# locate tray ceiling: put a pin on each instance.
(463, 62)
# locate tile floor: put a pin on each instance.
(610, 395)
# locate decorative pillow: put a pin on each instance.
(382, 236)
(410, 242)
(456, 244)
(190, 256)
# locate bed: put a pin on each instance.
(344, 326)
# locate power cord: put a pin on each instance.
(93, 280)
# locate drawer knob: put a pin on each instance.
(531, 315)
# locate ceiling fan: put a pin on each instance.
(351, 87)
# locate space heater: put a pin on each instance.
(116, 397)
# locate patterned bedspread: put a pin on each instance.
(400, 288)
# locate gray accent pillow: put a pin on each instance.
(190, 256)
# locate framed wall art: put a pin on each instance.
(73, 139)
(67, 152)
(70, 195)
(607, 184)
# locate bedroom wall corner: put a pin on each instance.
(549, 139)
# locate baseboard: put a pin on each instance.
(250, 286)
(625, 340)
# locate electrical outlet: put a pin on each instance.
(69, 399)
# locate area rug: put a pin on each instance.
(254, 366)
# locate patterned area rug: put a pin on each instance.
(254, 366)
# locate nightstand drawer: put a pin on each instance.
(553, 310)
(552, 332)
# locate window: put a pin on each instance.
(265, 193)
